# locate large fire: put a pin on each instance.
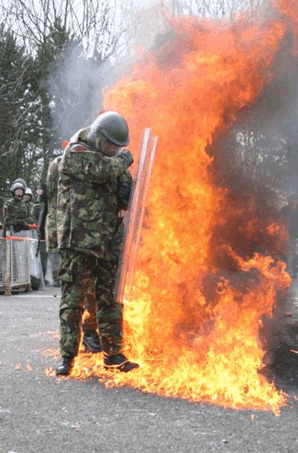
(196, 309)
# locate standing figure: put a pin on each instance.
(15, 211)
(51, 219)
(42, 200)
(89, 326)
(93, 177)
(33, 208)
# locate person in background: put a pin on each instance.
(51, 220)
(89, 326)
(33, 208)
(93, 177)
(15, 211)
(27, 195)
(42, 200)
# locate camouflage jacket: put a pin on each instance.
(33, 210)
(87, 213)
(51, 221)
(15, 210)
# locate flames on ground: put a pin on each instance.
(202, 288)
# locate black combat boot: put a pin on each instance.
(65, 366)
(118, 362)
(91, 341)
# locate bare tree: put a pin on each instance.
(214, 9)
(56, 32)
(92, 21)
(47, 29)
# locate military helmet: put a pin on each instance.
(112, 126)
(28, 191)
(17, 185)
(21, 180)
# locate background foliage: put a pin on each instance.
(56, 57)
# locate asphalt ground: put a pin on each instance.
(42, 414)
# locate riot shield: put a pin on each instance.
(135, 214)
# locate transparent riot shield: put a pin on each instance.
(135, 214)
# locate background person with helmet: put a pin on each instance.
(33, 208)
(91, 340)
(28, 194)
(51, 220)
(15, 211)
(93, 178)
(42, 200)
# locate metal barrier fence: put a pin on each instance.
(18, 264)
(15, 264)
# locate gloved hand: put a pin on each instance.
(128, 156)
(20, 225)
(123, 192)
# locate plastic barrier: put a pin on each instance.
(18, 264)
(133, 224)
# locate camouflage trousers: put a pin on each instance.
(89, 323)
(76, 270)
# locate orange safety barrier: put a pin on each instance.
(14, 238)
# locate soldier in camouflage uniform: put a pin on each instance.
(42, 200)
(89, 326)
(32, 207)
(51, 219)
(93, 187)
(16, 215)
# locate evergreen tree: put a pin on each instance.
(19, 122)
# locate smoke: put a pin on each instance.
(75, 84)
(259, 153)
(254, 159)
(242, 227)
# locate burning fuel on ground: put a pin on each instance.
(210, 272)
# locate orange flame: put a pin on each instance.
(193, 325)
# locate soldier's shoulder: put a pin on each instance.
(76, 156)
(80, 149)
(55, 162)
(54, 166)
(9, 202)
